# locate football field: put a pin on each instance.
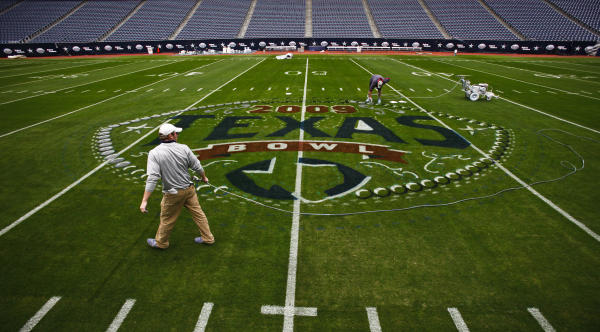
(428, 212)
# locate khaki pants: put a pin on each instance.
(170, 208)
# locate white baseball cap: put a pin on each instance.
(167, 128)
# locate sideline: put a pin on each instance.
(509, 173)
(78, 181)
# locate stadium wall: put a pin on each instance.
(329, 44)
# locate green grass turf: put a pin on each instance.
(491, 257)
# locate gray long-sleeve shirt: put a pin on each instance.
(170, 161)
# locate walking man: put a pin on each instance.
(377, 81)
(170, 162)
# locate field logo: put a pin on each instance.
(350, 148)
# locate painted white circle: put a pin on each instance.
(292, 43)
(7, 51)
(514, 47)
(139, 47)
(449, 45)
(108, 48)
(232, 44)
(324, 43)
(413, 186)
(169, 46)
(381, 192)
(40, 50)
(481, 46)
(262, 44)
(202, 45)
(354, 43)
(385, 44)
(398, 189)
(416, 44)
(76, 48)
(549, 47)
(441, 179)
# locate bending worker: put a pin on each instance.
(377, 81)
(171, 161)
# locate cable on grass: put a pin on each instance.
(566, 164)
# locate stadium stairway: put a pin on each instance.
(502, 21)
(308, 30)
(372, 24)
(51, 25)
(435, 20)
(4, 10)
(247, 20)
(185, 20)
(111, 31)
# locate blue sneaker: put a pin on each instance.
(200, 241)
(152, 243)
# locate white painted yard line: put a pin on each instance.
(518, 80)
(534, 71)
(51, 78)
(508, 100)
(290, 293)
(78, 181)
(33, 321)
(550, 115)
(535, 312)
(203, 318)
(125, 309)
(53, 69)
(100, 102)
(75, 86)
(504, 169)
(458, 320)
(374, 325)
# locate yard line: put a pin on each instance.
(518, 80)
(458, 320)
(100, 80)
(100, 102)
(33, 321)
(203, 318)
(373, 319)
(78, 181)
(534, 71)
(54, 69)
(579, 224)
(50, 78)
(510, 101)
(116, 323)
(290, 293)
(550, 115)
(535, 312)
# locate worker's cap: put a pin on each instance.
(167, 128)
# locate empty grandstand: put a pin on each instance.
(537, 20)
(283, 19)
(403, 19)
(155, 20)
(28, 17)
(468, 19)
(216, 19)
(340, 18)
(88, 23)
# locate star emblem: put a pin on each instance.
(503, 46)
(470, 45)
(136, 129)
(472, 130)
(536, 48)
(251, 44)
(439, 44)
(577, 48)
